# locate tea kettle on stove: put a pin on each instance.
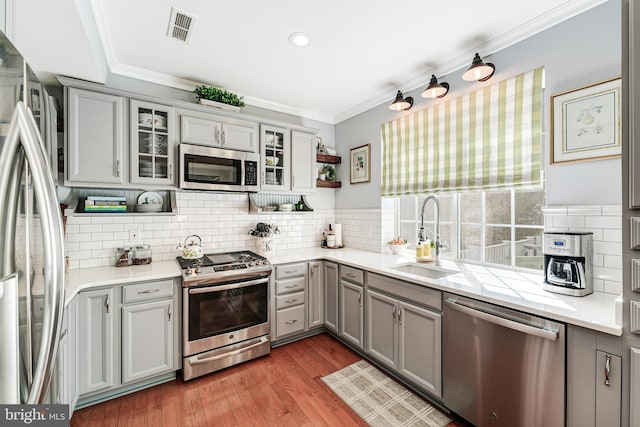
(191, 250)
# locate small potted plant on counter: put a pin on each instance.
(219, 98)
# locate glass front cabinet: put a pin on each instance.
(152, 146)
(275, 149)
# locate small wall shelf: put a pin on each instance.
(333, 160)
(326, 158)
(76, 205)
(328, 184)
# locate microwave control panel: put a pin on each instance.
(250, 172)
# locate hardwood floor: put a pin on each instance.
(283, 389)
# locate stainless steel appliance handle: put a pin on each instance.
(501, 321)
(218, 288)
(24, 131)
(225, 355)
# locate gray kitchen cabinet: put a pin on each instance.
(152, 143)
(382, 329)
(303, 162)
(290, 294)
(351, 319)
(70, 376)
(315, 295)
(420, 346)
(97, 336)
(275, 153)
(96, 137)
(220, 132)
(634, 386)
(331, 281)
(404, 336)
(591, 402)
(127, 338)
(147, 339)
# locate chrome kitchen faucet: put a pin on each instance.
(421, 233)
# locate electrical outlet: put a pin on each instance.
(134, 235)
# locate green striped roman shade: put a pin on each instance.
(487, 139)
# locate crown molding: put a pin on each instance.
(535, 26)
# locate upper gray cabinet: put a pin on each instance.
(303, 162)
(213, 131)
(634, 105)
(96, 137)
(153, 148)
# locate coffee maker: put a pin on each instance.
(568, 263)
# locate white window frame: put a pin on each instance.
(454, 247)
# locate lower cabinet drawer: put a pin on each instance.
(289, 300)
(147, 291)
(290, 285)
(289, 320)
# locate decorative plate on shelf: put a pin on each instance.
(150, 198)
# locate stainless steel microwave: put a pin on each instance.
(208, 168)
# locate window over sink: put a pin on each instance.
(501, 227)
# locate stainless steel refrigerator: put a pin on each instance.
(31, 234)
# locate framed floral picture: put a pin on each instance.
(585, 123)
(360, 164)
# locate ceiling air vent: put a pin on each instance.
(181, 25)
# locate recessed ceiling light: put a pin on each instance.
(299, 39)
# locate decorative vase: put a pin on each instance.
(265, 245)
(219, 105)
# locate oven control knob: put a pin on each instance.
(189, 270)
(198, 269)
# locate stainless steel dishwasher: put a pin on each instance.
(502, 367)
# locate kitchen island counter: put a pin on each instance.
(515, 289)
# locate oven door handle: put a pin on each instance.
(218, 288)
(230, 354)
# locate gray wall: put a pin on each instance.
(577, 52)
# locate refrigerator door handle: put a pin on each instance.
(24, 131)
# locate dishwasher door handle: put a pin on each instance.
(501, 321)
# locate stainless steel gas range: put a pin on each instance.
(225, 300)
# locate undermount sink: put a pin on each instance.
(428, 271)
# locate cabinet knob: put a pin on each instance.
(224, 138)
(169, 312)
(394, 314)
(291, 322)
(118, 168)
(217, 135)
(607, 370)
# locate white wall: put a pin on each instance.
(577, 52)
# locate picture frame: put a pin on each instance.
(360, 164)
(319, 145)
(586, 123)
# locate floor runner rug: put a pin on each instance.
(381, 401)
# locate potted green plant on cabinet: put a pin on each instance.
(219, 98)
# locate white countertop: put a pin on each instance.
(508, 288)
(86, 278)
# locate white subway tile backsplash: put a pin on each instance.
(605, 222)
(611, 222)
(221, 220)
